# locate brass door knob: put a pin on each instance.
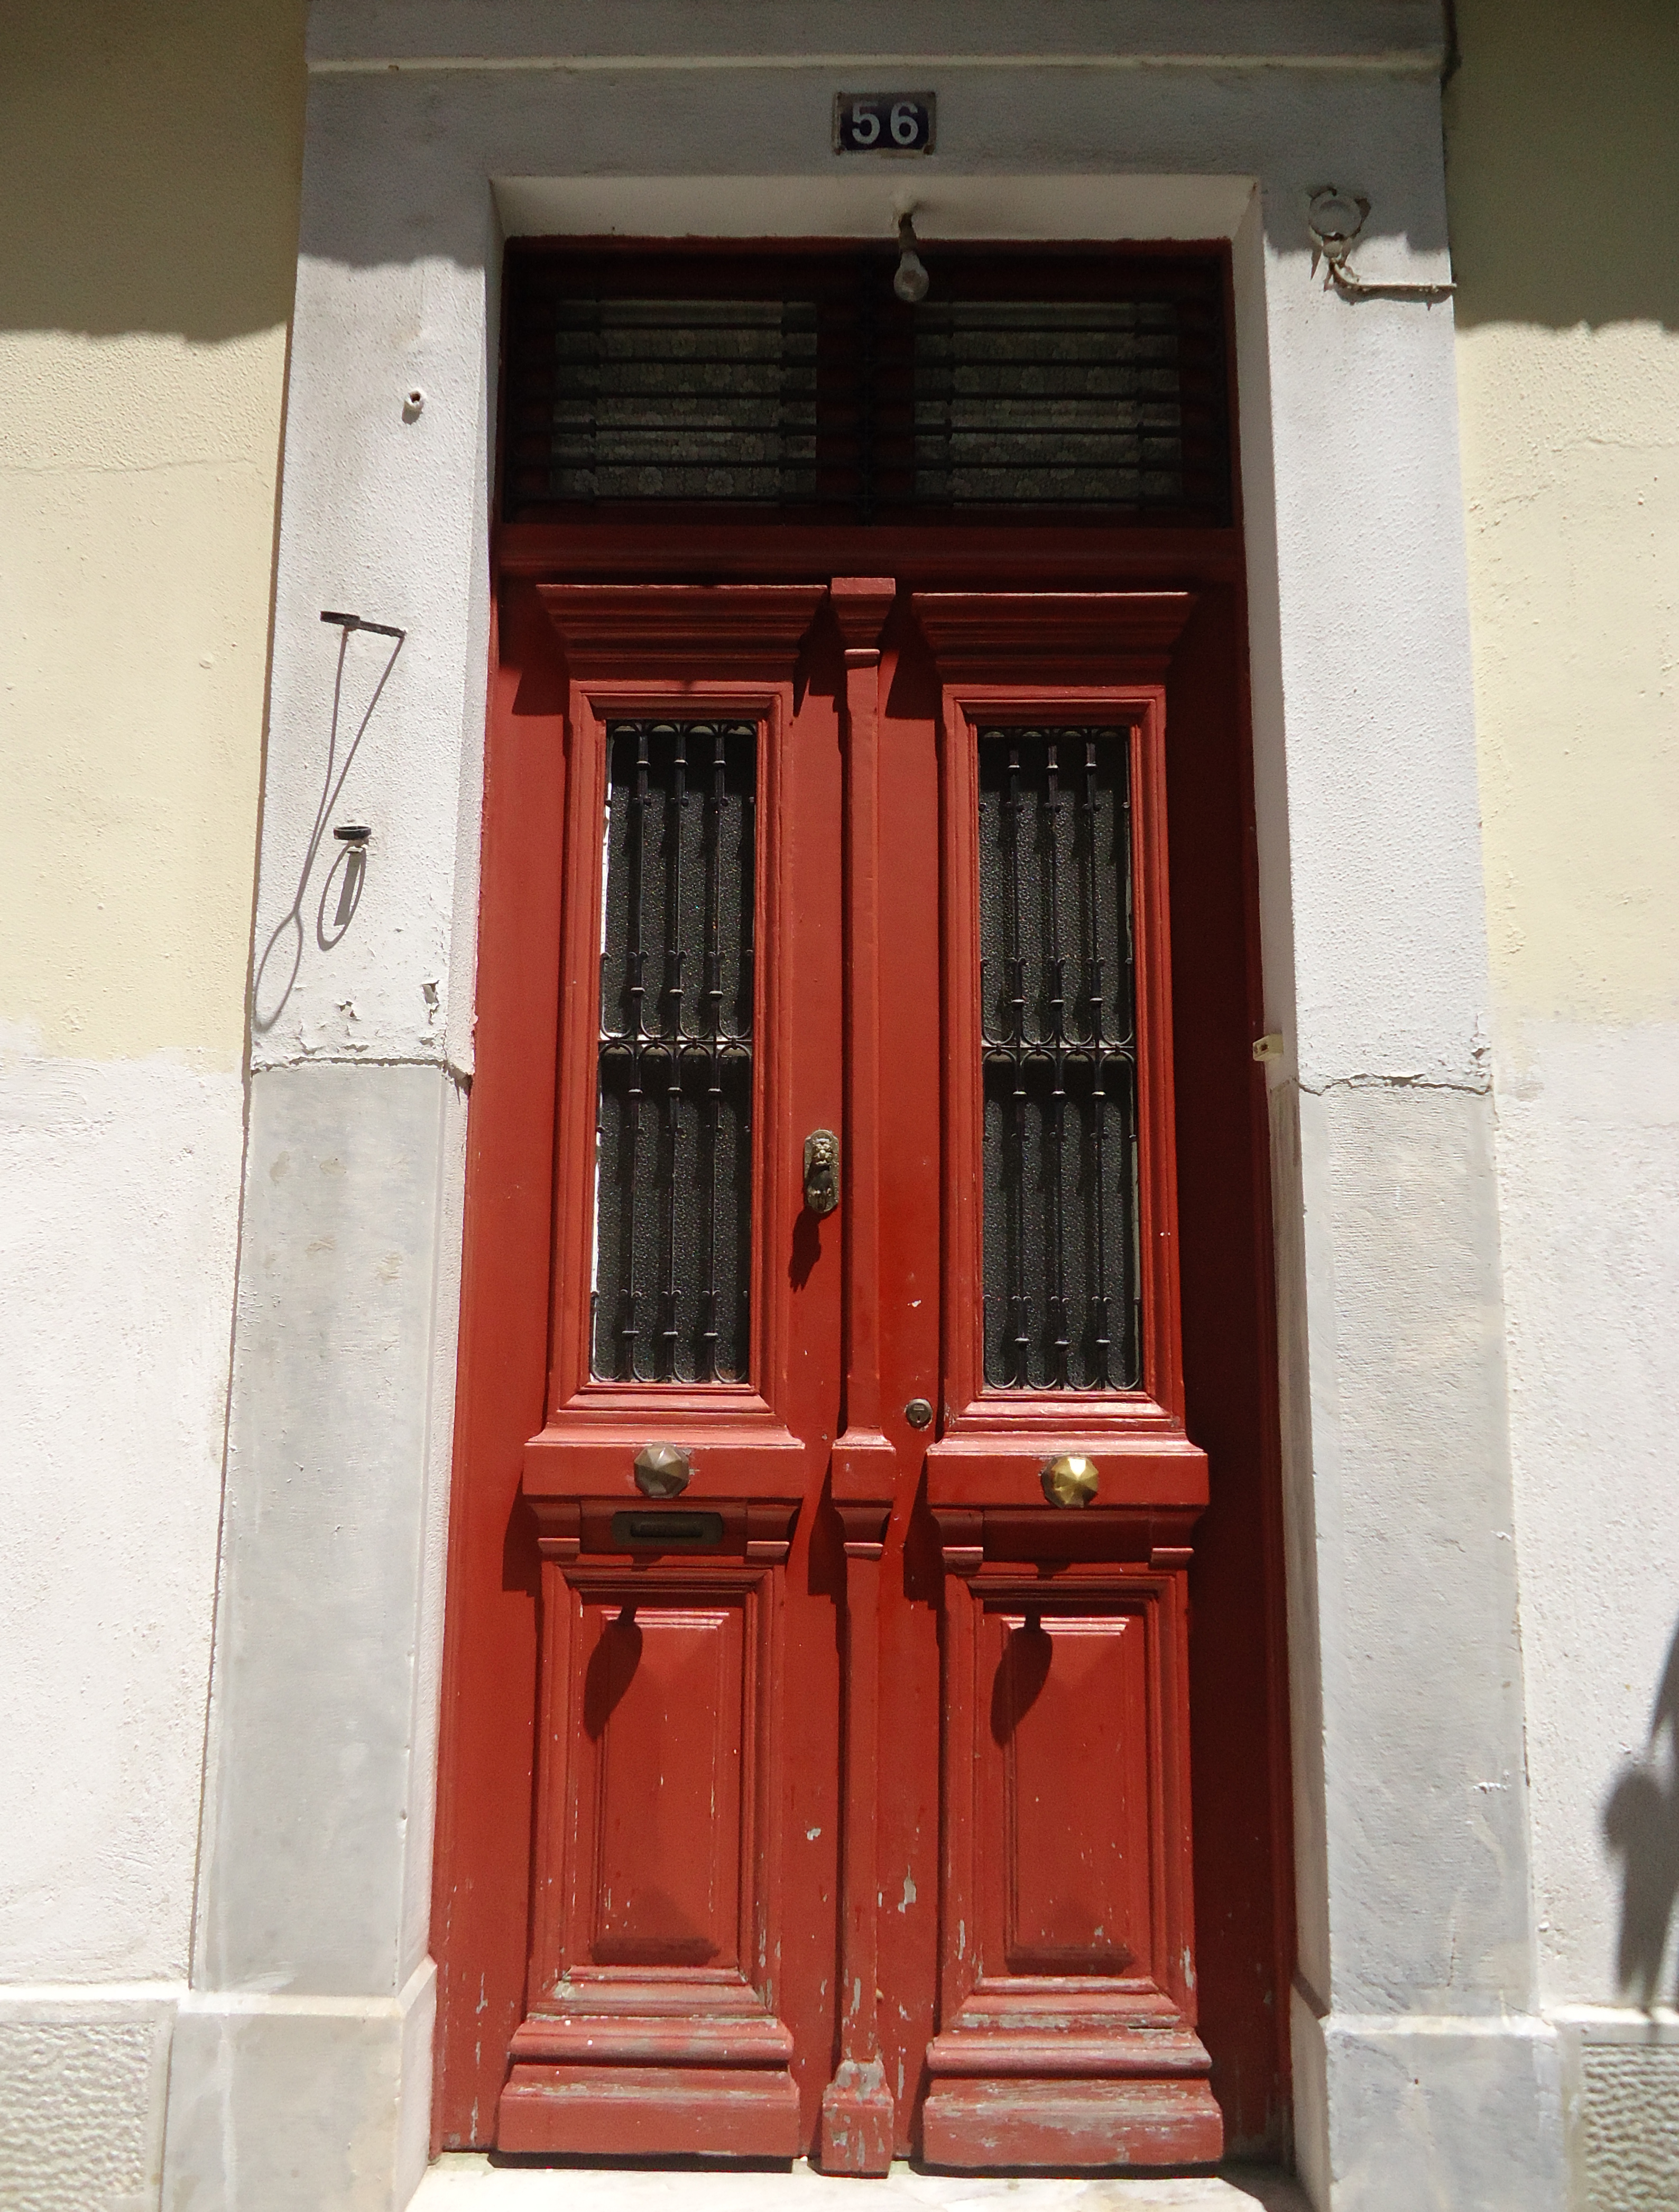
(662, 1470)
(1070, 1479)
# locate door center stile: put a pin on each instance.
(859, 2117)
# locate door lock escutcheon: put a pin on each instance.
(822, 1192)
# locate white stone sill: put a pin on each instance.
(468, 2182)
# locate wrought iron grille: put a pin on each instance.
(673, 1145)
(1084, 387)
(1055, 402)
(1058, 1023)
(684, 399)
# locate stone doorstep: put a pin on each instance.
(466, 2181)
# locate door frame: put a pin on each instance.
(483, 1849)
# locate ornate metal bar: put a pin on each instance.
(637, 1033)
(1055, 1211)
(711, 1020)
(670, 1024)
(668, 1055)
(1094, 997)
(1054, 907)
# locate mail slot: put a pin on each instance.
(668, 1532)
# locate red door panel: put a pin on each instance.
(658, 1812)
(1069, 1696)
(651, 2012)
(858, 1769)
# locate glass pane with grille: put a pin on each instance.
(673, 1160)
(684, 399)
(1059, 403)
(1057, 1021)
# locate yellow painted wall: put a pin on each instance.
(1563, 172)
(149, 157)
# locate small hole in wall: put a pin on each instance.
(413, 403)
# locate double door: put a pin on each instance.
(862, 1494)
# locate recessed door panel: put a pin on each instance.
(1069, 1714)
(659, 1772)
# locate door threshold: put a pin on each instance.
(467, 2181)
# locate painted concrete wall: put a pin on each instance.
(149, 163)
(1564, 196)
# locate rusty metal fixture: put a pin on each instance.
(662, 1471)
(1335, 221)
(1070, 1479)
(910, 280)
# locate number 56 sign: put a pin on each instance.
(883, 122)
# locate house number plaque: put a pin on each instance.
(883, 122)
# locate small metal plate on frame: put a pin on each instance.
(884, 122)
(667, 1532)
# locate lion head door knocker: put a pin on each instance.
(822, 1193)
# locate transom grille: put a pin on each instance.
(673, 1153)
(1088, 387)
(684, 399)
(1055, 402)
(1059, 1044)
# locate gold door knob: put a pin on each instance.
(1070, 1479)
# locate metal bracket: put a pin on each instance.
(348, 622)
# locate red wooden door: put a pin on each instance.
(859, 1752)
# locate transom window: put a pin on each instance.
(1027, 386)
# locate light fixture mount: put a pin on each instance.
(1335, 219)
(911, 281)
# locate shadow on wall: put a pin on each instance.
(341, 893)
(1561, 184)
(150, 165)
(1641, 1829)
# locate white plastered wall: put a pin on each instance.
(1423, 2074)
